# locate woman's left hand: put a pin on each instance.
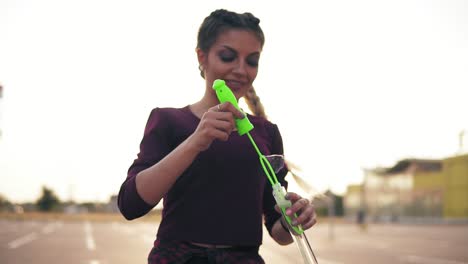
(306, 216)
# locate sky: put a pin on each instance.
(351, 85)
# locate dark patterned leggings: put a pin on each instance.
(169, 252)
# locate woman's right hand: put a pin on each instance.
(216, 123)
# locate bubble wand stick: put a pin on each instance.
(225, 94)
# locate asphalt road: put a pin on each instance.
(83, 242)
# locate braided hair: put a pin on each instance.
(218, 22)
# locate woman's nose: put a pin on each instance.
(240, 68)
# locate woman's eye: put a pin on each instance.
(253, 61)
(227, 56)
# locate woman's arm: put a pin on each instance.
(217, 123)
(280, 235)
(153, 183)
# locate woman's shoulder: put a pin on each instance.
(261, 121)
(163, 117)
(168, 111)
(264, 125)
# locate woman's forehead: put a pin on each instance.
(239, 39)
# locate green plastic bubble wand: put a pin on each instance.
(224, 94)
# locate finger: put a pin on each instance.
(216, 108)
(292, 196)
(227, 116)
(214, 128)
(218, 134)
(224, 125)
(305, 215)
(228, 107)
(312, 221)
(298, 205)
(213, 114)
(277, 209)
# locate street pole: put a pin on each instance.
(331, 214)
(460, 141)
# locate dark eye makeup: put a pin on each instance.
(253, 60)
(229, 55)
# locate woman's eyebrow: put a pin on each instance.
(235, 51)
(229, 48)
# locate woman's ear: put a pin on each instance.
(201, 57)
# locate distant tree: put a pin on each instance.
(323, 205)
(94, 207)
(339, 211)
(4, 203)
(90, 206)
(48, 200)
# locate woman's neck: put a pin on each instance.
(200, 107)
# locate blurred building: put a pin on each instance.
(112, 206)
(353, 200)
(328, 204)
(455, 180)
(412, 189)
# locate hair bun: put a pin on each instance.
(252, 18)
(234, 18)
(226, 16)
(219, 13)
(221, 20)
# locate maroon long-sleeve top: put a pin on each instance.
(221, 197)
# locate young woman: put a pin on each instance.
(215, 194)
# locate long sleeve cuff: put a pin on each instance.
(130, 203)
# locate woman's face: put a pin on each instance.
(233, 58)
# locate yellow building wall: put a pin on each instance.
(427, 194)
(456, 187)
(353, 199)
(428, 180)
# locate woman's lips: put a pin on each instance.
(234, 85)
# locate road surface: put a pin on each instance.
(84, 242)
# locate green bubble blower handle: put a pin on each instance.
(225, 94)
